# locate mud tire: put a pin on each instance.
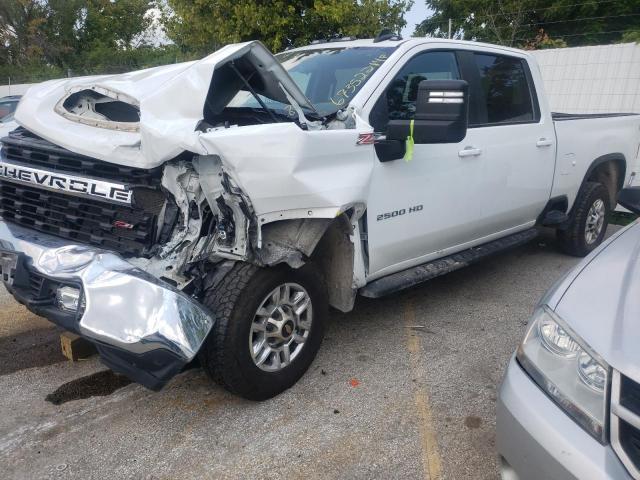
(572, 239)
(225, 355)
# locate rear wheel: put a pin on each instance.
(269, 326)
(589, 221)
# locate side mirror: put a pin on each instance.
(629, 198)
(388, 150)
(442, 113)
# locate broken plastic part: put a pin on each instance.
(100, 107)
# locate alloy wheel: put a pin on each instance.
(280, 327)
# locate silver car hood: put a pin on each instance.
(170, 99)
(601, 301)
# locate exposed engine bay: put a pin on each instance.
(217, 225)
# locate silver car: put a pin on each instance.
(569, 404)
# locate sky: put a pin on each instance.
(417, 13)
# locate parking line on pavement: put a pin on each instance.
(431, 462)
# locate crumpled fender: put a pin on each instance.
(282, 168)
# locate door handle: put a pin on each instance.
(543, 142)
(469, 152)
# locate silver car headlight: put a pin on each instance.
(567, 369)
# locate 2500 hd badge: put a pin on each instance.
(398, 213)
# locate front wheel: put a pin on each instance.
(589, 221)
(269, 326)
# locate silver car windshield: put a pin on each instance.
(7, 109)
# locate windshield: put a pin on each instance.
(329, 77)
(7, 107)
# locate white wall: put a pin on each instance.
(600, 79)
(19, 89)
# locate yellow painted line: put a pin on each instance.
(431, 462)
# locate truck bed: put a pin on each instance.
(585, 138)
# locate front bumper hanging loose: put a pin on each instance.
(142, 327)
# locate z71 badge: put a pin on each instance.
(399, 213)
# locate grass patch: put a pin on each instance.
(621, 218)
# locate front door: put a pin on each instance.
(419, 207)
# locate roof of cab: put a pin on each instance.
(407, 43)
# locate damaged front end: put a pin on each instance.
(120, 208)
(123, 261)
(108, 259)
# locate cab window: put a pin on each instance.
(504, 89)
(399, 100)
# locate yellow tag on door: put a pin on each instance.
(408, 155)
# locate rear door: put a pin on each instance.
(514, 140)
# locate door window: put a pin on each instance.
(504, 86)
(399, 100)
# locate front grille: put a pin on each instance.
(625, 419)
(79, 218)
(630, 394)
(25, 147)
(630, 441)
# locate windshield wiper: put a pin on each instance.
(253, 92)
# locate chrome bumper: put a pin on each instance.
(143, 327)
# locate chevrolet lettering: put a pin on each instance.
(69, 183)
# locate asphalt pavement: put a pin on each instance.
(404, 387)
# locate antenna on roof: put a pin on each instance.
(387, 34)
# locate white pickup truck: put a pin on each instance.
(217, 208)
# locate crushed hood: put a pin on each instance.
(603, 306)
(170, 101)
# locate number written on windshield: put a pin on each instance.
(345, 93)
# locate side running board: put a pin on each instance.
(415, 275)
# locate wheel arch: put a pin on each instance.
(610, 170)
(325, 242)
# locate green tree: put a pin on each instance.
(542, 41)
(518, 22)
(204, 25)
(632, 36)
(116, 24)
(111, 32)
(20, 35)
(44, 38)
